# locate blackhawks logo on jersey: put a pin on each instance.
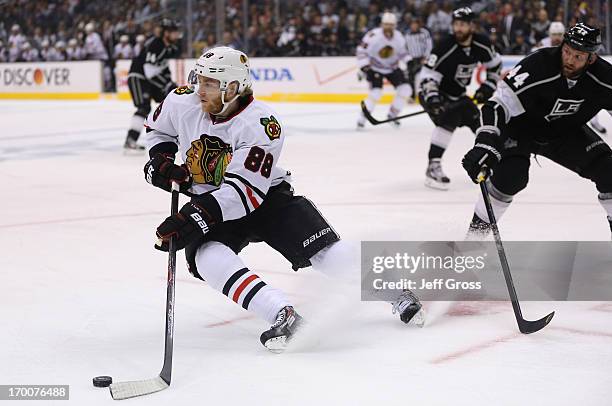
(271, 126)
(183, 90)
(386, 52)
(208, 158)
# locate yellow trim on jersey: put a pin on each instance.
(50, 96)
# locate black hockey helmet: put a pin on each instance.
(168, 24)
(464, 14)
(583, 37)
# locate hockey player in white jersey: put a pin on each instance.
(230, 145)
(378, 56)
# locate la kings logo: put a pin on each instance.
(563, 107)
(463, 74)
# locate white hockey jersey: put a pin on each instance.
(123, 51)
(234, 159)
(381, 53)
(94, 47)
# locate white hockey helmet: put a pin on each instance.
(72, 42)
(60, 45)
(90, 27)
(388, 18)
(124, 39)
(227, 65)
(556, 28)
(44, 43)
(140, 38)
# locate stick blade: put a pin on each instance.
(132, 389)
(528, 327)
(367, 114)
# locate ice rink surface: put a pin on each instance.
(83, 291)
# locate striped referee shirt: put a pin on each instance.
(419, 43)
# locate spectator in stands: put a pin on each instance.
(140, 40)
(28, 53)
(439, 20)
(509, 26)
(520, 46)
(495, 40)
(44, 50)
(58, 53)
(123, 49)
(16, 39)
(541, 26)
(3, 52)
(229, 40)
(94, 47)
(73, 51)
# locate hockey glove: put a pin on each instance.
(161, 170)
(484, 155)
(434, 105)
(483, 94)
(189, 224)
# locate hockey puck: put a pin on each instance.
(102, 381)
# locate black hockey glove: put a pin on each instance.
(161, 170)
(189, 224)
(370, 74)
(434, 104)
(483, 94)
(485, 154)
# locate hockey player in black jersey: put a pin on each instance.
(444, 77)
(149, 77)
(542, 107)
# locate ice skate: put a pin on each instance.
(280, 333)
(409, 309)
(435, 177)
(132, 146)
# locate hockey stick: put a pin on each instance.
(374, 121)
(525, 326)
(130, 389)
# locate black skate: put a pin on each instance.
(132, 145)
(478, 228)
(435, 177)
(280, 333)
(409, 308)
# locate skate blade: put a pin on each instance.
(418, 319)
(276, 345)
(432, 183)
(133, 152)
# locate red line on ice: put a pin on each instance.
(475, 348)
(582, 332)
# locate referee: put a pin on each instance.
(419, 43)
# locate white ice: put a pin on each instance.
(83, 290)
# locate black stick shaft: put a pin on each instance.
(166, 372)
(501, 252)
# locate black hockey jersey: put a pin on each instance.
(535, 100)
(452, 65)
(152, 62)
